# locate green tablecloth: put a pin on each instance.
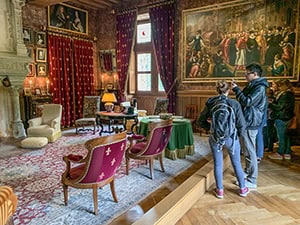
(181, 142)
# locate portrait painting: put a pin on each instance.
(41, 54)
(27, 36)
(220, 40)
(40, 39)
(69, 18)
(41, 70)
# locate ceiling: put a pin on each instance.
(95, 4)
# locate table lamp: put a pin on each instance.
(109, 99)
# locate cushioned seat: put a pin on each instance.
(34, 142)
(48, 125)
(91, 105)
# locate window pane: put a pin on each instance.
(144, 62)
(143, 33)
(144, 82)
(160, 85)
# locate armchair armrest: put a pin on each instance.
(55, 123)
(35, 122)
(72, 159)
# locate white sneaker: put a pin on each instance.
(250, 185)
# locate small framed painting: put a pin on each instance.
(41, 54)
(27, 35)
(40, 39)
(41, 69)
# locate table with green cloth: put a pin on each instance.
(181, 142)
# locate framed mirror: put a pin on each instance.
(108, 60)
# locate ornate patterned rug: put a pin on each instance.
(35, 177)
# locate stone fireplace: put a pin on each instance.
(13, 64)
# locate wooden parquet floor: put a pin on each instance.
(275, 201)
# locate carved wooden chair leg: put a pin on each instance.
(127, 166)
(151, 168)
(160, 157)
(95, 197)
(112, 188)
(65, 187)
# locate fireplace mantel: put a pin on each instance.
(13, 63)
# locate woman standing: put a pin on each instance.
(231, 142)
(282, 113)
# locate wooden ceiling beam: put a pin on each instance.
(44, 2)
(89, 4)
(101, 2)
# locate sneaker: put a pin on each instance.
(244, 191)
(275, 156)
(250, 185)
(219, 193)
(287, 156)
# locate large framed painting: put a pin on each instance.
(221, 39)
(68, 18)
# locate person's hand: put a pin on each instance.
(233, 84)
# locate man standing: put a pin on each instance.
(253, 100)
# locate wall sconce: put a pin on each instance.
(109, 99)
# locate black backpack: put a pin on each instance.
(222, 122)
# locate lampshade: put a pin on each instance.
(109, 98)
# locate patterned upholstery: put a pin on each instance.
(161, 106)
(98, 168)
(91, 105)
(152, 146)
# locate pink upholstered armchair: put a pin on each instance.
(150, 147)
(97, 168)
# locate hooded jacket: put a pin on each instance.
(254, 101)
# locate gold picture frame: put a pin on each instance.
(41, 54)
(216, 37)
(68, 18)
(41, 70)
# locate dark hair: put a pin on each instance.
(222, 86)
(255, 68)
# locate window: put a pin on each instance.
(147, 76)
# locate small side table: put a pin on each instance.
(111, 117)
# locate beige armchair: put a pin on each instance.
(48, 125)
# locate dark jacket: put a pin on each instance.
(254, 102)
(207, 114)
(283, 106)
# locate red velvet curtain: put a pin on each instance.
(162, 26)
(83, 73)
(60, 75)
(70, 74)
(125, 27)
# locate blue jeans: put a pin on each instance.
(235, 157)
(283, 137)
(260, 143)
(248, 141)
